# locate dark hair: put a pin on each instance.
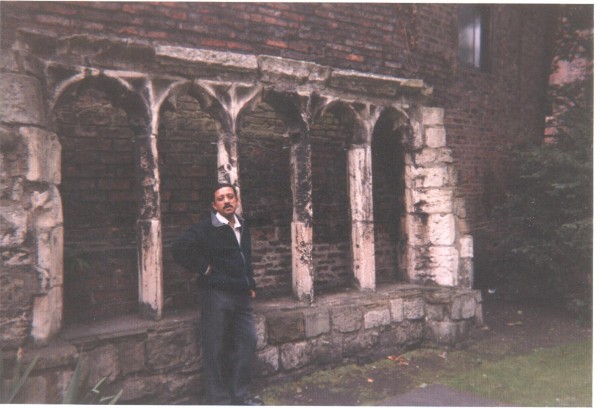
(223, 185)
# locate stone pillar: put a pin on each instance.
(360, 189)
(432, 247)
(30, 213)
(227, 163)
(149, 240)
(302, 217)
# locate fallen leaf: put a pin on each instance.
(399, 359)
(443, 355)
(370, 380)
(519, 323)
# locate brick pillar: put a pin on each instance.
(360, 189)
(302, 227)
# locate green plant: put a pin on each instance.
(18, 379)
(75, 391)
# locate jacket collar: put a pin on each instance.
(217, 223)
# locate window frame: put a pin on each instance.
(478, 50)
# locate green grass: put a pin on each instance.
(558, 376)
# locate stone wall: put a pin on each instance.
(159, 362)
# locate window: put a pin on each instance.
(473, 37)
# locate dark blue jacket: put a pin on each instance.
(212, 243)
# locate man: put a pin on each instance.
(218, 249)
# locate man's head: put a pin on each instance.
(225, 200)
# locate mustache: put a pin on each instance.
(227, 206)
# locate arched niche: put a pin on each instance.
(264, 164)
(330, 138)
(186, 143)
(389, 212)
(98, 121)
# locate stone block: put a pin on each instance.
(47, 315)
(377, 318)
(397, 310)
(101, 362)
(132, 357)
(43, 155)
(13, 226)
(21, 100)
(432, 116)
(316, 322)
(427, 177)
(441, 229)
(417, 136)
(434, 312)
(267, 361)
(466, 246)
(49, 258)
(432, 200)
(295, 355)
(414, 308)
(261, 331)
(212, 58)
(47, 208)
(435, 137)
(416, 229)
(357, 343)
(34, 391)
(273, 67)
(285, 328)
(426, 156)
(463, 307)
(346, 319)
(447, 333)
(479, 321)
(169, 349)
(443, 265)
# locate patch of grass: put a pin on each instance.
(558, 376)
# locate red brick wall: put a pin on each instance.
(484, 111)
(100, 207)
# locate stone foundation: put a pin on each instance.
(159, 362)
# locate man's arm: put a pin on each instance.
(189, 251)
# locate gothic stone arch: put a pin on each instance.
(438, 247)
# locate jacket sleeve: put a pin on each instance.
(189, 251)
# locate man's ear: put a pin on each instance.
(214, 206)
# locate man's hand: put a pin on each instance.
(251, 293)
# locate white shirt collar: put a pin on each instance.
(226, 221)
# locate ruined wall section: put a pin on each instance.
(228, 86)
(31, 268)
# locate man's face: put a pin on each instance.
(225, 202)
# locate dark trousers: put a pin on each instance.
(228, 345)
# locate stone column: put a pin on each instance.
(302, 218)
(149, 239)
(227, 163)
(360, 189)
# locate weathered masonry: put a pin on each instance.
(391, 163)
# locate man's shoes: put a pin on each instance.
(253, 401)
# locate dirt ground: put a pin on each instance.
(510, 329)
